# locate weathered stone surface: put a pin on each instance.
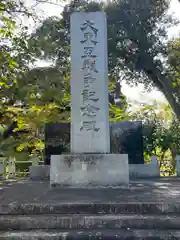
(178, 165)
(126, 137)
(89, 83)
(129, 234)
(146, 210)
(82, 170)
(137, 171)
(90, 208)
(39, 172)
(57, 139)
(160, 195)
(78, 221)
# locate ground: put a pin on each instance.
(24, 191)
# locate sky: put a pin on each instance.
(136, 95)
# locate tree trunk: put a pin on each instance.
(171, 93)
(164, 84)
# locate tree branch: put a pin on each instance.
(44, 1)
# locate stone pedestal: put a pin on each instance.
(39, 172)
(89, 170)
(137, 171)
(178, 165)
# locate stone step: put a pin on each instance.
(9, 222)
(91, 208)
(91, 235)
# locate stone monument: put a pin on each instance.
(57, 140)
(127, 137)
(90, 162)
(89, 84)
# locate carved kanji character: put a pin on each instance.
(89, 126)
(89, 110)
(89, 95)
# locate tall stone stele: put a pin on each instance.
(89, 84)
(90, 161)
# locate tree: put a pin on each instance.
(135, 33)
(161, 134)
(174, 59)
(174, 66)
(53, 41)
(135, 30)
(138, 44)
(11, 49)
(26, 102)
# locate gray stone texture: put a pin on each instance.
(82, 170)
(178, 165)
(156, 196)
(78, 221)
(126, 137)
(57, 140)
(39, 172)
(136, 171)
(89, 84)
(105, 234)
(147, 210)
(144, 171)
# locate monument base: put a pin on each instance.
(138, 171)
(39, 172)
(89, 170)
